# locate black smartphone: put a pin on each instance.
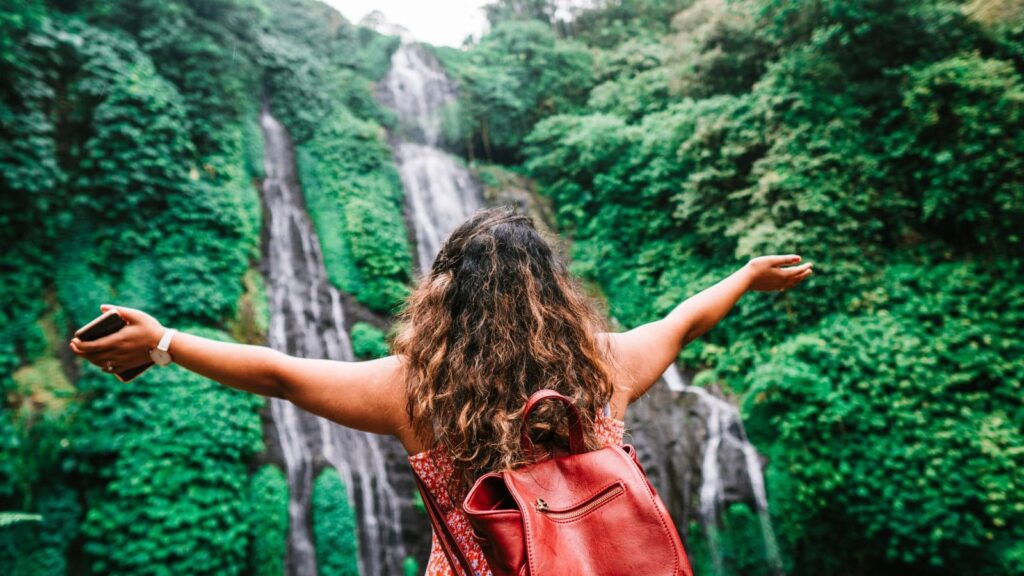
(104, 325)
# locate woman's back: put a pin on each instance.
(497, 318)
(436, 470)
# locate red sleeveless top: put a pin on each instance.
(435, 468)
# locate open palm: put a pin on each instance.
(769, 273)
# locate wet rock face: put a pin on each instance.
(668, 439)
(670, 430)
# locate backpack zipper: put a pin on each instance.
(579, 510)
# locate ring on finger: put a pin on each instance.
(109, 366)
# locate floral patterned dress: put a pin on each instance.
(435, 468)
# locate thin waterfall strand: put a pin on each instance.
(307, 320)
(723, 421)
(439, 190)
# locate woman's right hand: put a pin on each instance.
(125, 349)
(766, 273)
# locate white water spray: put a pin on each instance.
(724, 424)
(440, 191)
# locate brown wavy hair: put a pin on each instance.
(497, 318)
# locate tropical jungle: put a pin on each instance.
(269, 172)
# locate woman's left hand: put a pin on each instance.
(766, 273)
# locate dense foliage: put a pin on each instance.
(129, 153)
(334, 523)
(114, 189)
(355, 198)
(269, 493)
(881, 140)
(516, 75)
(176, 495)
(368, 341)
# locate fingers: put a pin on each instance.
(97, 358)
(124, 337)
(784, 260)
(798, 278)
(96, 346)
(118, 351)
(797, 270)
(100, 362)
(130, 315)
(116, 361)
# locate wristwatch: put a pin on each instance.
(160, 354)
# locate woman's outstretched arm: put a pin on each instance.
(362, 395)
(645, 352)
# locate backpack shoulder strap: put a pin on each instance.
(450, 548)
(576, 442)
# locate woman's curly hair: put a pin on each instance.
(497, 318)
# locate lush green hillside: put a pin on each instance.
(130, 158)
(883, 140)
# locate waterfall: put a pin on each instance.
(724, 425)
(307, 319)
(440, 191)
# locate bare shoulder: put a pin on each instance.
(624, 382)
(637, 358)
(393, 371)
(398, 403)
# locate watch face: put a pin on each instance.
(161, 357)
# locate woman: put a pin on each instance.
(497, 318)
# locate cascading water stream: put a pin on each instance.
(440, 191)
(771, 545)
(307, 319)
(724, 424)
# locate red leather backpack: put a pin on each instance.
(581, 513)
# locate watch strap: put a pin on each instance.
(165, 341)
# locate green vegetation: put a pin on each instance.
(252, 319)
(177, 492)
(129, 153)
(932, 376)
(740, 545)
(269, 512)
(40, 547)
(334, 525)
(355, 200)
(368, 341)
(124, 175)
(320, 82)
(516, 75)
